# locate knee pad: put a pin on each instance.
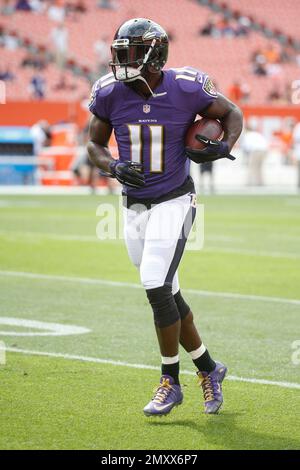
(165, 310)
(152, 272)
(182, 306)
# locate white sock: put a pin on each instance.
(169, 360)
(198, 352)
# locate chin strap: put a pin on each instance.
(155, 95)
(139, 77)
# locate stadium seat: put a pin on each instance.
(213, 55)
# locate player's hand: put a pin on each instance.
(214, 150)
(128, 173)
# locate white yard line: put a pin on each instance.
(73, 357)
(45, 328)
(242, 251)
(94, 239)
(29, 190)
(104, 282)
(91, 281)
(52, 236)
(223, 189)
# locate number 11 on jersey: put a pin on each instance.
(155, 156)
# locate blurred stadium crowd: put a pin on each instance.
(58, 47)
(53, 50)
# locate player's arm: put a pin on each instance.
(230, 116)
(128, 173)
(99, 135)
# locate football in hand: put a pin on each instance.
(210, 128)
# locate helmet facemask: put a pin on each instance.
(131, 61)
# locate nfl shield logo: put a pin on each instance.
(146, 108)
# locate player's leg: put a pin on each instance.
(135, 223)
(189, 337)
(167, 229)
(134, 229)
(168, 394)
(210, 373)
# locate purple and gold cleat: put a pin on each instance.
(166, 396)
(212, 388)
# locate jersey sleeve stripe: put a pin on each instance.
(108, 82)
(185, 77)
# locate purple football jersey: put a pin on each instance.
(152, 131)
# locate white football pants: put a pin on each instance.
(156, 238)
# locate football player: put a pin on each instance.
(150, 111)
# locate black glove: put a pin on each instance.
(128, 173)
(214, 150)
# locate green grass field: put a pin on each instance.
(68, 392)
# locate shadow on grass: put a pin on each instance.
(221, 431)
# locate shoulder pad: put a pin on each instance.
(191, 80)
(101, 88)
(104, 85)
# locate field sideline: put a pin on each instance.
(244, 291)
